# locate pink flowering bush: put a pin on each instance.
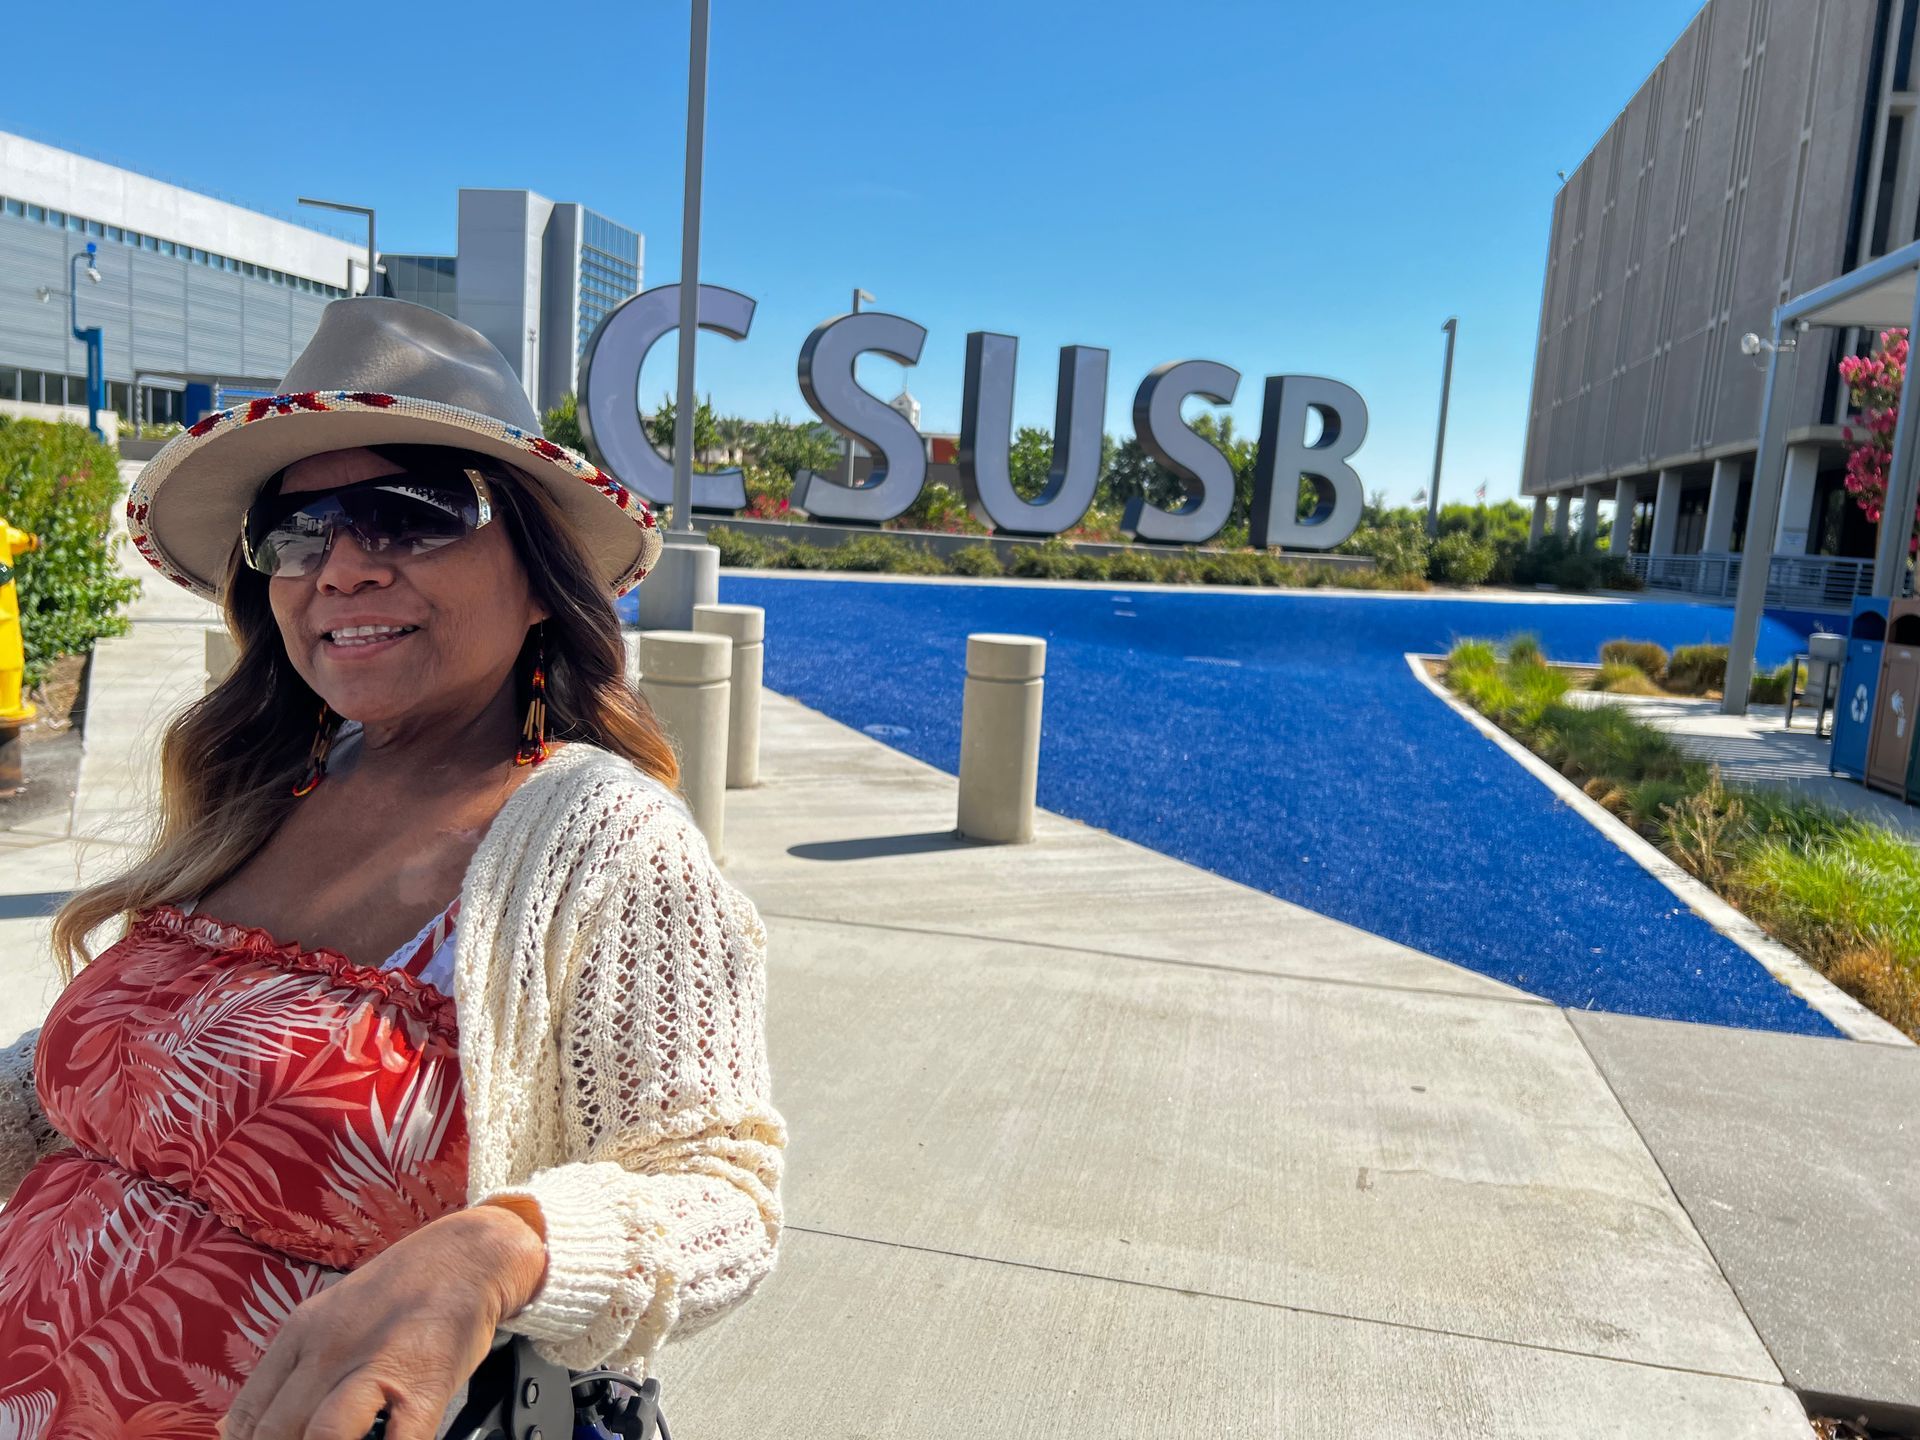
(1874, 383)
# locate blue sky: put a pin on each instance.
(1283, 188)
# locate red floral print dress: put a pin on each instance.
(249, 1121)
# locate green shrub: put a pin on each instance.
(1400, 551)
(1770, 688)
(881, 554)
(746, 551)
(1230, 568)
(1571, 566)
(1696, 669)
(1178, 568)
(1050, 560)
(1276, 570)
(975, 560)
(1524, 649)
(797, 555)
(1091, 567)
(1459, 559)
(1616, 677)
(1131, 565)
(1645, 656)
(61, 484)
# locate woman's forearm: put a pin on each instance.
(514, 1228)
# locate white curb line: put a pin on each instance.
(1848, 1015)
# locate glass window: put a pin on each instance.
(246, 267)
(9, 384)
(149, 242)
(56, 217)
(113, 232)
(94, 227)
(278, 278)
(36, 212)
(166, 247)
(16, 209)
(75, 222)
(132, 237)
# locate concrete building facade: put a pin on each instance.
(1771, 150)
(534, 276)
(191, 289)
(199, 298)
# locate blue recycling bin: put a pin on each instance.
(1859, 685)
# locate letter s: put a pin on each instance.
(827, 381)
(1205, 472)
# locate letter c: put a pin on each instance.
(610, 392)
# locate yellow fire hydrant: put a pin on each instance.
(13, 655)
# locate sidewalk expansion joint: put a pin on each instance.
(1678, 1200)
(1314, 1311)
(1532, 1001)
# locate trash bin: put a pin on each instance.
(1859, 683)
(1890, 747)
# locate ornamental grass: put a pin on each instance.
(1841, 892)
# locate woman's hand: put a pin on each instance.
(401, 1333)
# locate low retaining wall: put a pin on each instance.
(1005, 546)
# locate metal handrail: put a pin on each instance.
(1796, 582)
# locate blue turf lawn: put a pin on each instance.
(1316, 768)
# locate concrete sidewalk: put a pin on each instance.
(1086, 1141)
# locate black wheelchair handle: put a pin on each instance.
(515, 1394)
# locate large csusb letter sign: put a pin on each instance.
(610, 421)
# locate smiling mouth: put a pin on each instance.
(355, 635)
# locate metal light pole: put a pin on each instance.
(90, 337)
(858, 296)
(351, 210)
(1440, 439)
(690, 271)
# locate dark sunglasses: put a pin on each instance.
(437, 500)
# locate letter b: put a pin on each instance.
(1285, 457)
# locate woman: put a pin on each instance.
(433, 1015)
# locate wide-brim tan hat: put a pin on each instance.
(376, 372)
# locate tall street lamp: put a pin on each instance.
(688, 572)
(91, 337)
(1440, 439)
(351, 210)
(858, 296)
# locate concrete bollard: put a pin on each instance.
(221, 655)
(685, 678)
(1000, 737)
(745, 626)
(687, 574)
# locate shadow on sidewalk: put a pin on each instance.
(875, 847)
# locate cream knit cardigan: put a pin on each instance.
(610, 987)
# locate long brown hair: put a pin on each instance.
(227, 762)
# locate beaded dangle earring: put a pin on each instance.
(533, 733)
(317, 755)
